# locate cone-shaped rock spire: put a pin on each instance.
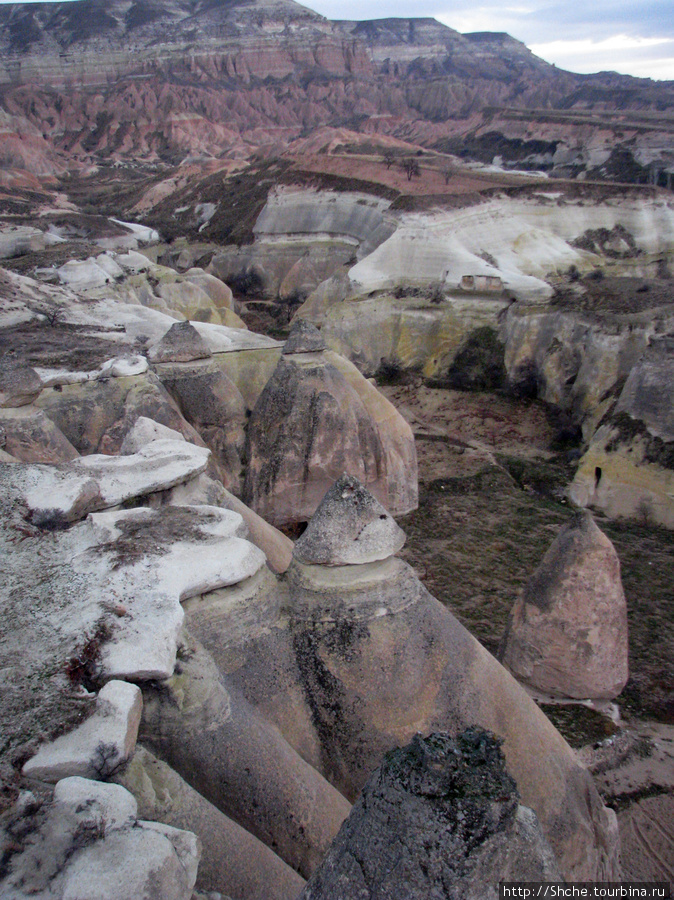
(303, 338)
(349, 527)
(567, 633)
(181, 343)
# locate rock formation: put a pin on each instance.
(207, 397)
(349, 528)
(440, 816)
(232, 859)
(181, 343)
(628, 468)
(131, 569)
(351, 660)
(567, 633)
(89, 842)
(312, 423)
(193, 81)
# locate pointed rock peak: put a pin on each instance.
(349, 527)
(303, 338)
(580, 551)
(181, 343)
(567, 632)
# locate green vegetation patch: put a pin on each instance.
(578, 724)
(478, 366)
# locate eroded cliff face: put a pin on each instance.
(165, 80)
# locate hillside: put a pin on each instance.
(162, 82)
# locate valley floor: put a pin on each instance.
(490, 503)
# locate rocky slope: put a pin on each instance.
(171, 80)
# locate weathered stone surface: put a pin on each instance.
(628, 468)
(89, 845)
(98, 600)
(32, 437)
(63, 494)
(96, 416)
(144, 432)
(213, 405)
(83, 275)
(233, 862)
(303, 338)
(312, 424)
(19, 385)
(169, 555)
(440, 815)
(349, 528)
(101, 745)
(567, 633)
(647, 395)
(408, 332)
(181, 343)
(217, 742)
(204, 490)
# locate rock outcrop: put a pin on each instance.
(232, 860)
(567, 633)
(628, 468)
(315, 421)
(89, 842)
(442, 815)
(349, 661)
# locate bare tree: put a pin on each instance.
(389, 158)
(411, 167)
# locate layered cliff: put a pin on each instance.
(166, 80)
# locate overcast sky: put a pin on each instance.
(635, 37)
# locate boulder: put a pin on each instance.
(19, 385)
(311, 424)
(88, 844)
(440, 815)
(181, 343)
(233, 862)
(31, 437)
(102, 744)
(567, 633)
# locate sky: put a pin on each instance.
(634, 37)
